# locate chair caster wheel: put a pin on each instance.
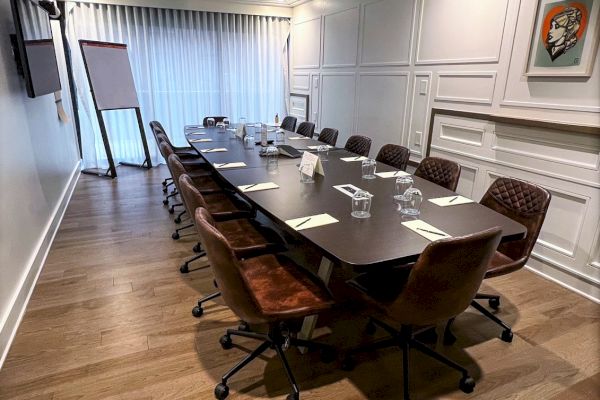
(184, 269)
(293, 396)
(165, 190)
(172, 210)
(221, 391)
(328, 355)
(166, 202)
(467, 384)
(226, 342)
(177, 220)
(197, 247)
(371, 328)
(348, 364)
(197, 311)
(494, 303)
(507, 336)
(175, 235)
(243, 326)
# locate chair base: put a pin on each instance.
(197, 311)
(405, 340)
(277, 339)
(185, 267)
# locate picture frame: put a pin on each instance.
(299, 103)
(564, 38)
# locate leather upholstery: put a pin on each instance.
(440, 285)
(525, 203)
(263, 289)
(217, 119)
(203, 182)
(329, 136)
(394, 155)
(190, 164)
(442, 172)
(306, 129)
(218, 205)
(289, 123)
(358, 144)
(161, 135)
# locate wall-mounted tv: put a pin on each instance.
(33, 46)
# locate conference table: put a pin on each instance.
(367, 243)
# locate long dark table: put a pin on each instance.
(366, 243)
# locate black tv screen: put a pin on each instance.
(34, 48)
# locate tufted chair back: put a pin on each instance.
(306, 129)
(329, 136)
(439, 171)
(289, 123)
(394, 155)
(217, 119)
(359, 144)
(523, 202)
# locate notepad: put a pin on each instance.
(298, 138)
(317, 147)
(196, 133)
(229, 165)
(357, 158)
(231, 129)
(311, 221)
(200, 140)
(451, 201)
(391, 174)
(348, 189)
(194, 127)
(429, 232)
(215, 150)
(258, 186)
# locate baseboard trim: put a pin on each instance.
(9, 327)
(555, 276)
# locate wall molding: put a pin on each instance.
(323, 21)
(481, 133)
(310, 66)
(9, 326)
(298, 87)
(551, 276)
(550, 106)
(475, 74)
(397, 63)
(429, 76)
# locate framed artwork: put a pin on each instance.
(299, 106)
(564, 38)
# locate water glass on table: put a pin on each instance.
(307, 172)
(403, 183)
(323, 152)
(210, 122)
(361, 204)
(411, 202)
(368, 168)
(272, 154)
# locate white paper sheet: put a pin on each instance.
(215, 150)
(429, 232)
(258, 186)
(311, 221)
(451, 201)
(298, 138)
(348, 189)
(316, 147)
(350, 159)
(391, 174)
(200, 140)
(229, 165)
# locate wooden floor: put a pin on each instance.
(110, 319)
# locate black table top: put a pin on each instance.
(377, 240)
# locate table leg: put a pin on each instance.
(308, 326)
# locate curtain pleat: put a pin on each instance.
(186, 65)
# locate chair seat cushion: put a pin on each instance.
(241, 233)
(382, 286)
(501, 265)
(186, 152)
(282, 289)
(219, 203)
(205, 183)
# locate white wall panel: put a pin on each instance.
(460, 31)
(306, 48)
(468, 87)
(387, 32)
(468, 177)
(381, 108)
(419, 113)
(337, 103)
(340, 38)
(301, 81)
(315, 90)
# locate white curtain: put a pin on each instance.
(186, 65)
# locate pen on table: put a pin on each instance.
(358, 157)
(303, 222)
(435, 233)
(396, 173)
(250, 186)
(222, 165)
(454, 198)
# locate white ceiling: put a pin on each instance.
(282, 3)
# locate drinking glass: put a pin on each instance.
(210, 122)
(306, 173)
(323, 151)
(361, 204)
(226, 122)
(411, 204)
(403, 183)
(368, 168)
(272, 154)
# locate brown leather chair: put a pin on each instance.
(527, 204)
(289, 123)
(306, 129)
(246, 237)
(183, 152)
(217, 119)
(329, 136)
(440, 171)
(440, 285)
(394, 155)
(254, 288)
(358, 144)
